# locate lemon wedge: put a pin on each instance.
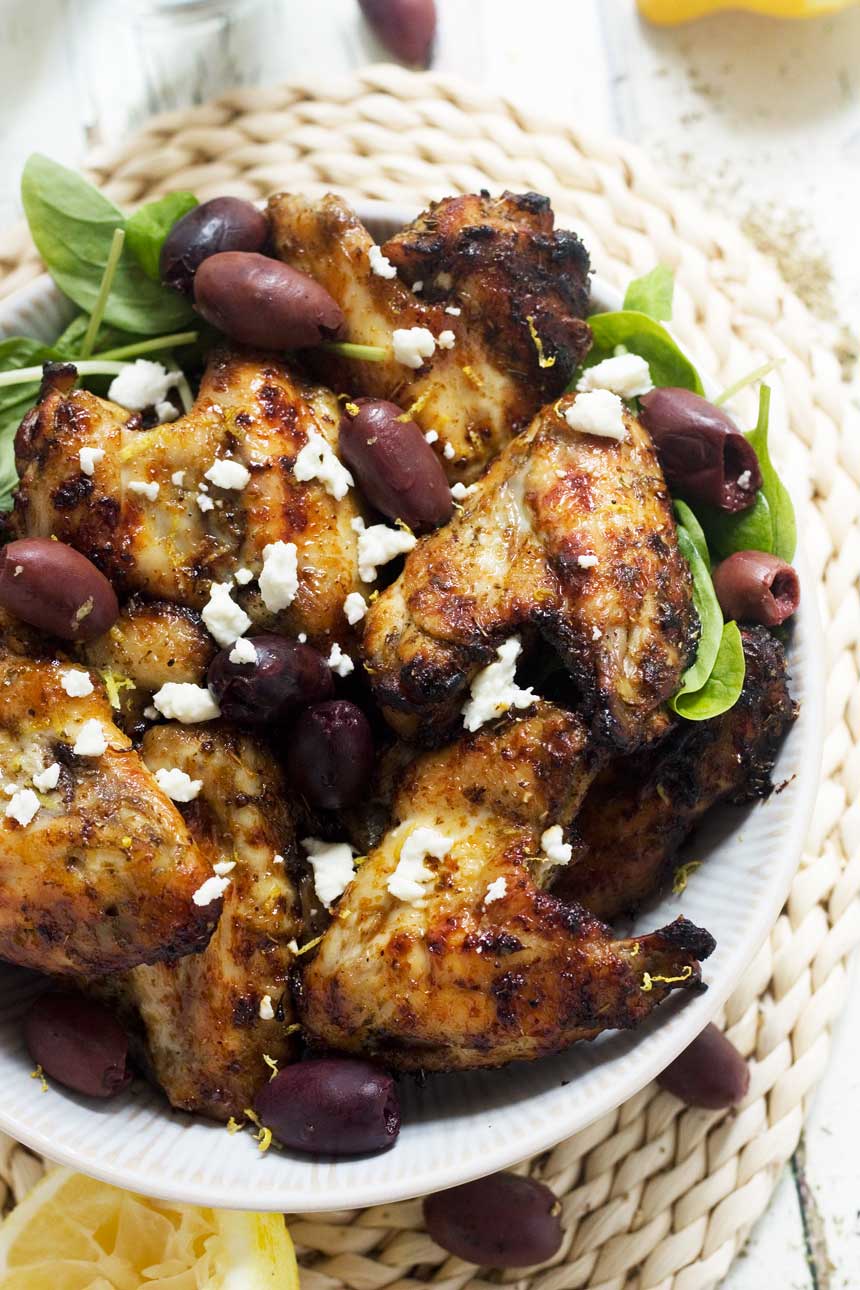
(74, 1233)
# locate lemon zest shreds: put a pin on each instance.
(125, 842)
(114, 683)
(39, 1074)
(264, 1138)
(252, 1116)
(635, 950)
(293, 1028)
(272, 1065)
(233, 1126)
(351, 408)
(358, 860)
(648, 981)
(374, 595)
(401, 524)
(471, 375)
(414, 408)
(682, 875)
(543, 361)
(310, 945)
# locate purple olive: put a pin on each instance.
(405, 27)
(755, 587)
(285, 676)
(330, 754)
(78, 1043)
(333, 1105)
(710, 1073)
(259, 301)
(502, 1221)
(222, 224)
(703, 453)
(397, 470)
(53, 587)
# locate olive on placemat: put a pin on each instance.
(259, 301)
(338, 1106)
(398, 471)
(703, 453)
(405, 27)
(222, 224)
(53, 587)
(710, 1073)
(78, 1043)
(282, 675)
(330, 754)
(502, 1221)
(756, 587)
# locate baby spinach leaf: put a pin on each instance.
(147, 228)
(15, 402)
(723, 687)
(775, 493)
(685, 517)
(710, 619)
(652, 294)
(644, 336)
(72, 225)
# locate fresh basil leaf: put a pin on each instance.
(642, 335)
(652, 294)
(775, 493)
(685, 517)
(710, 619)
(147, 228)
(72, 225)
(723, 687)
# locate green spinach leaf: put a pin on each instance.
(652, 294)
(15, 403)
(723, 687)
(147, 228)
(710, 619)
(644, 336)
(685, 517)
(775, 493)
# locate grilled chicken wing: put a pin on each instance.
(103, 876)
(485, 968)
(640, 809)
(487, 386)
(203, 1033)
(570, 535)
(251, 409)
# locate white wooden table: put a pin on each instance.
(762, 118)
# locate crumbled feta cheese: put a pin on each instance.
(203, 488)
(418, 285)
(224, 473)
(243, 652)
(554, 846)
(178, 478)
(340, 662)
(449, 452)
(446, 340)
(431, 436)
(459, 491)
(77, 685)
(494, 690)
(243, 577)
(412, 345)
(293, 946)
(48, 778)
(166, 411)
(224, 619)
(379, 544)
(587, 561)
(211, 889)
(597, 412)
(142, 384)
(410, 877)
(627, 375)
(150, 712)
(355, 607)
(23, 806)
(453, 310)
(205, 503)
(277, 859)
(332, 866)
(496, 890)
(222, 867)
(596, 633)
(445, 281)
(302, 638)
(380, 264)
(182, 701)
(279, 579)
(91, 740)
(745, 481)
(177, 785)
(149, 490)
(317, 461)
(267, 1012)
(89, 459)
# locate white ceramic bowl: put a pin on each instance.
(456, 1127)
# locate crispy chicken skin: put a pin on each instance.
(485, 388)
(459, 981)
(102, 877)
(509, 562)
(640, 809)
(251, 407)
(203, 1036)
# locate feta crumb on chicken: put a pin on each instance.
(494, 690)
(413, 345)
(453, 310)
(627, 375)
(449, 452)
(459, 491)
(279, 579)
(212, 889)
(243, 652)
(496, 890)
(183, 701)
(222, 867)
(409, 880)
(418, 285)
(224, 473)
(332, 865)
(142, 384)
(587, 561)
(598, 412)
(431, 436)
(22, 806)
(205, 503)
(554, 846)
(745, 481)
(378, 545)
(48, 778)
(147, 489)
(224, 619)
(355, 607)
(178, 478)
(89, 459)
(446, 340)
(317, 461)
(166, 411)
(243, 577)
(380, 264)
(177, 785)
(340, 662)
(91, 740)
(77, 685)
(267, 1012)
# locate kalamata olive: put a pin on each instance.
(406, 27)
(330, 754)
(333, 1105)
(710, 1073)
(259, 301)
(502, 1221)
(398, 471)
(53, 587)
(222, 224)
(285, 676)
(755, 587)
(703, 453)
(78, 1043)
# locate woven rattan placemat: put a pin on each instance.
(655, 1196)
